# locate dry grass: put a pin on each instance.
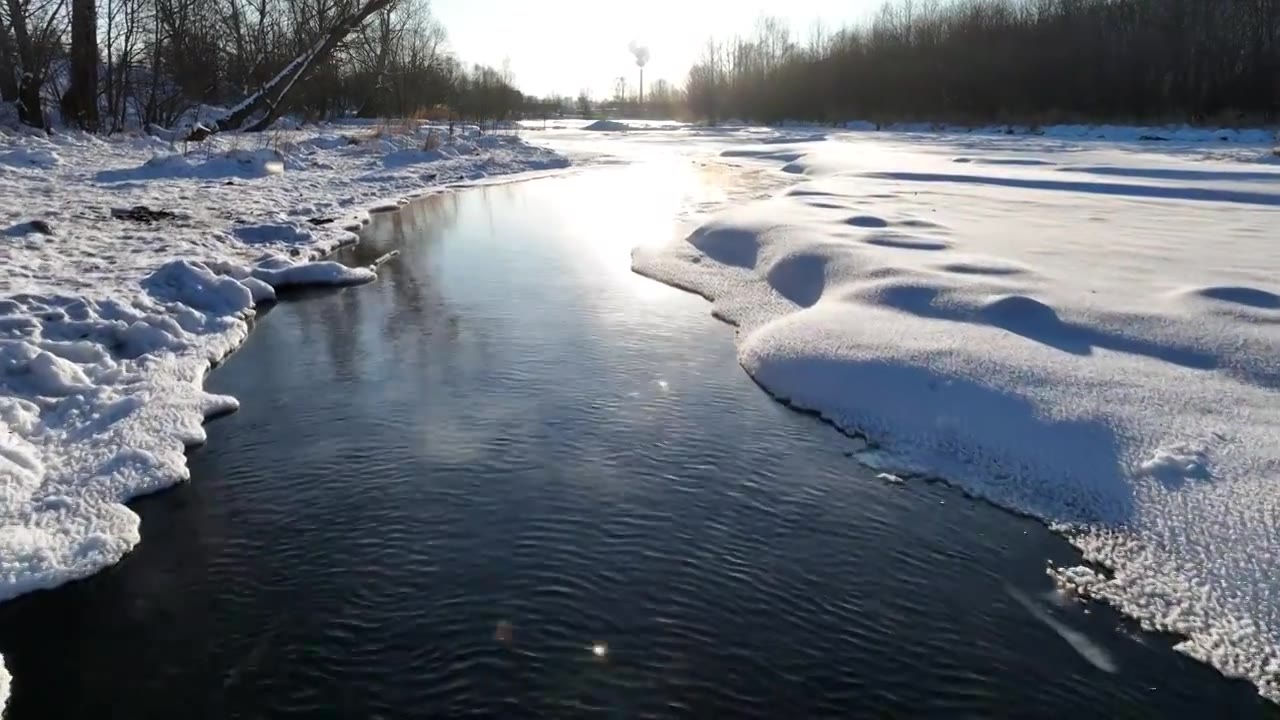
(394, 127)
(438, 113)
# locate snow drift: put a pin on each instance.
(1093, 338)
(607, 126)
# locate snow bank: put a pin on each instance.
(607, 126)
(1099, 349)
(1171, 133)
(1118, 133)
(109, 325)
(279, 271)
(30, 157)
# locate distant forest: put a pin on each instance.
(213, 65)
(1015, 61)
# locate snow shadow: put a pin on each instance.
(1177, 174)
(970, 433)
(1016, 162)
(1038, 322)
(739, 247)
(1119, 189)
(798, 139)
(785, 156)
(1248, 296)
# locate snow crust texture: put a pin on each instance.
(1087, 334)
(130, 268)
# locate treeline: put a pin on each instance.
(112, 64)
(1016, 61)
(661, 99)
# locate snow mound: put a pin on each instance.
(196, 286)
(30, 158)
(329, 141)
(229, 164)
(607, 126)
(264, 233)
(1033, 340)
(1177, 464)
(279, 272)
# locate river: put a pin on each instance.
(511, 478)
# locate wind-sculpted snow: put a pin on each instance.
(1091, 336)
(129, 268)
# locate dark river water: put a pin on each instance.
(512, 479)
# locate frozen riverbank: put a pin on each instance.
(1087, 333)
(130, 267)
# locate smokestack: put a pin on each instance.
(642, 58)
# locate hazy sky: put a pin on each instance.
(563, 46)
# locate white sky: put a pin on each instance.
(563, 46)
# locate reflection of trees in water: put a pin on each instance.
(416, 231)
(329, 317)
(417, 307)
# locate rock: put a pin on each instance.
(31, 226)
(142, 214)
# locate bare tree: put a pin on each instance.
(35, 30)
(80, 101)
(215, 65)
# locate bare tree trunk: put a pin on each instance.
(152, 111)
(109, 77)
(80, 102)
(8, 67)
(274, 92)
(29, 110)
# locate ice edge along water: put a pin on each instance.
(109, 325)
(1087, 334)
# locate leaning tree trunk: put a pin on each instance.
(271, 95)
(80, 102)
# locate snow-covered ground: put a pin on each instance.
(111, 313)
(1088, 332)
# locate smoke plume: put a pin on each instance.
(640, 51)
